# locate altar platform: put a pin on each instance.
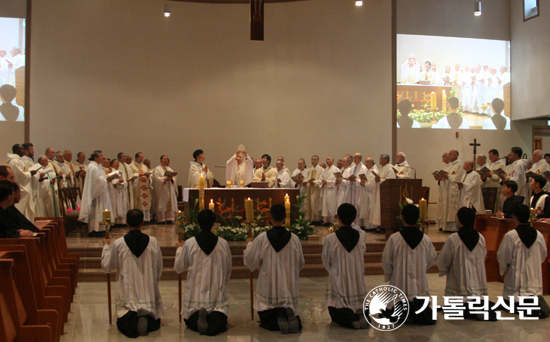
(90, 252)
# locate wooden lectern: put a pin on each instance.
(393, 192)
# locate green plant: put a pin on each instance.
(301, 227)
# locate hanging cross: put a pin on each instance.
(475, 145)
(257, 20)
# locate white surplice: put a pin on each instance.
(343, 187)
(165, 192)
(367, 200)
(465, 269)
(346, 284)
(270, 176)
(471, 194)
(95, 197)
(24, 179)
(195, 172)
(452, 200)
(489, 124)
(386, 172)
(404, 170)
(517, 174)
(206, 278)
(279, 272)
(127, 173)
(494, 181)
(442, 197)
(329, 194)
(522, 265)
(539, 168)
(353, 189)
(313, 199)
(235, 172)
(118, 195)
(405, 268)
(137, 278)
(285, 179)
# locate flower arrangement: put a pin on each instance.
(301, 227)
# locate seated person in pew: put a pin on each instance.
(344, 254)
(406, 258)
(278, 255)
(16, 218)
(7, 227)
(509, 189)
(540, 200)
(462, 260)
(520, 256)
(208, 261)
(137, 259)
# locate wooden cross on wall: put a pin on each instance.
(475, 145)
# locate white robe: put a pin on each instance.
(494, 181)
(270, 176)
(137, 278)
(118, 194)
(403, 170)
(279, 272)
(285, 179)
(522, 265)
(295, 173)
(206, 278)
(465, 269)
(406, 268)
(471, 194)
(451, 203)
(343, 187)
(127, 173)
(235, 172)
(165, 191)
(386, 172)
(353, 189)
(195, 172)
(23, 177)
(488, 124)
(444, 123)
(142, 190)
(313, 200)
(346, 283)
(517, 175)
(368, 199)
(329, 193)
(95, 197)
(442, 186)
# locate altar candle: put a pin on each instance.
(287, 208)
(106, 216)
(287, 198)
(444, 101)
(423, 206)
(433, 101)
(249, 206)
(201, 182)
(211, 205)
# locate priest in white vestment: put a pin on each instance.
(471, 195)
(166, 188)
(344, 259)
(137, 260)
(24, 178)
(407, 256)
(283, 177)
(493, 180)
(462, 261)
(540, 166)
(329, 191)
(410, 70)
(80, 164)
(198, 168)
(278, 255)
(54, 172)
(28, 159)
(143, 184)
(451, 201)
(517, 172)
(343, 187)
(313, 184)
(402, 167)
(385, 172)
(520, 256)
(207, 260)
(266, 173)
(95, 196)
(282, 159)
(240, 167)
(442, 187)
(127, 174)
(367, 199)
(118, 194)
(303, 170)
(353, 185)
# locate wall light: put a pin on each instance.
(477, 8)
(166, 10)
(359, 3)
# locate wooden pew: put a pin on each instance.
(48, 297)
(30, 323)
(56, 264)
(493, 230)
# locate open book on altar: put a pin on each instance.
(113, 175)
(35, 167)
(170, 174)
(298, 178)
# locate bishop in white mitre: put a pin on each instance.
(166, 188)
(143, 185)
(329, 191)
(471, 195)
(95, 195)
(239, 167)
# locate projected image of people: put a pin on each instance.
(12, 73)
(446, 86)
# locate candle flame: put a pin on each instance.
(211, 201)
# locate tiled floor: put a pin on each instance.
(88, 320)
